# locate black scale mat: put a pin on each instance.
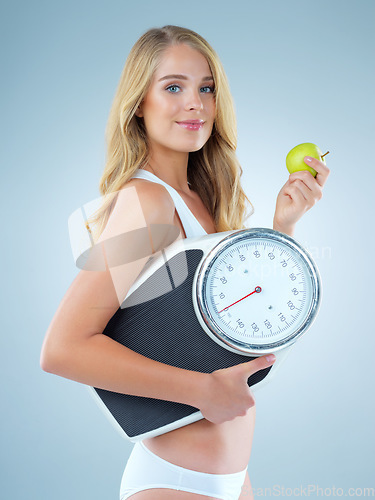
(165, 329)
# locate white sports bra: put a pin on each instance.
(190, 224)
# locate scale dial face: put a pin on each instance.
(257, 291)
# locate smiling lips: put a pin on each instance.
(191, 124)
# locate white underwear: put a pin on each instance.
(145, 470)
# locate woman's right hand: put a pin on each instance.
(226, 394)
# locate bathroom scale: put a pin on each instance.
(209, 303)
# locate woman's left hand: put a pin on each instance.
(299, 194)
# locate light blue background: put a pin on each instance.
(299, 72)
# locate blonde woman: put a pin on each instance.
(171, 161)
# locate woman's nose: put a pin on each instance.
(193, 100)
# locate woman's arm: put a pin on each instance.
(74, 346)
(298, 195)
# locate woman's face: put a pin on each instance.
(179, 107)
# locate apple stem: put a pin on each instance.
(325, 154)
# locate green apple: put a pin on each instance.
(294, 159)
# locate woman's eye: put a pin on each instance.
(173, 88)
(208, 89)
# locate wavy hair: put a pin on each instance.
(213, 172)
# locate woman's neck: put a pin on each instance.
(171, 169)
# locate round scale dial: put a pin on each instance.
(258, 291)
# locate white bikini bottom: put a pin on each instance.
(145, 470)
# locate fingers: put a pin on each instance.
(306, 177)
(298, 199)
(321, 168)
(307, 185)
(298, 189)
(257, 364)
(304, 196)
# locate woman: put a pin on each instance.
(171, 162)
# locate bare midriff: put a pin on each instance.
(206, 447)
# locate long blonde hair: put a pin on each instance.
(213, 172)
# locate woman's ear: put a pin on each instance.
(138, 111)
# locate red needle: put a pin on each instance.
(257, 290)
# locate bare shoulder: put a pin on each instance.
(139, 203)
(154, 200)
